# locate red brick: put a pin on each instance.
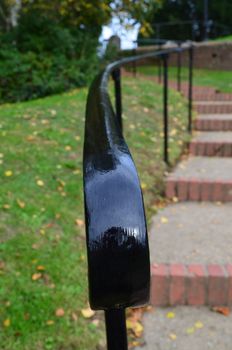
(217, 193)
(217, 285)
(206, 190)
(196, 285)
(192, 148)
(160, 285)
(227, 191)
(229, 296)
(227, 149)
(170, 188)
(182, 190)
(177, 294)
(194, 190)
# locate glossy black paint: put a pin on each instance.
(116, 329)
(190, 92)
(165, 106)
(117, 242)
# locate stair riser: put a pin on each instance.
(211, 109)
(211, 149)
(199, 191)
(213, 125)
(178, 284)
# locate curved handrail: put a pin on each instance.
(117, 242)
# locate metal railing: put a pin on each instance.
(117, 242)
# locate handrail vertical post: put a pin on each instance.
(116, 333)
(179, 68)
(165, 106)
(134, 64)
(190, 92)
(159, 68)
(118, 95)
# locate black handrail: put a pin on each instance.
(117, 242)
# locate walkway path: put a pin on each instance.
(191, 239)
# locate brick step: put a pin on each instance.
(214, 122)
(201, 179)
(194, 284)
(211, 107)
(190, 249)
(212, 144)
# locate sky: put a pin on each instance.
(126, 36)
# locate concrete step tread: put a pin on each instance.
(204, 168)
(224, 103)
(213, 136)
(214, 117)
(190, 328)
(190, 233)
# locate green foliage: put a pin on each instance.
(41, 57)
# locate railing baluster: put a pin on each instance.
(118, 95)
(116, 329)
(190, 92)
(179, 68)
(165, 106)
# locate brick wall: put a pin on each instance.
(210, 55)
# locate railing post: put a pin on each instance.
(179, 68)
(134, 63)
(116, 75)
(165, 106)
(116, 333)
(190, 92)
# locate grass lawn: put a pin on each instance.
(220, 80)
(43, 283)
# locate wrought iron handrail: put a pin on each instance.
(117, 242)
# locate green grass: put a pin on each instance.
(41, 150)
(220, 80)
(224, 38)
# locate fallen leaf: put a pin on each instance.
(6, 206)
(50, 322)
(60, 312)
(143, 185)
(164, 220)
(40, 183)
(190, 330)
(172, 336)
(8, 173)
(20, 203)
(68, 148)
(87, 313)
(221, 310)
(79, 222)
(74, 316)
(36, 276)
(6, 323)
(40, 268)
(135, 326)
(170, 315)
(198, 325)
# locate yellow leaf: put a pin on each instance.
(135, 327)
(40, 183)
(164, 220)
(40, 268)
(42, 232)
(50, 322)
(170, 315)
(1, 155)
(8, 173)
(87, 313)
(172, 336)
(143, 185)
(20, 203)
(79, 222)
(199, 325)
(6, 323)
(36, 276)
(6, 206)
(77, 138)
(60, 312)
(68, 148)
(190, 330)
